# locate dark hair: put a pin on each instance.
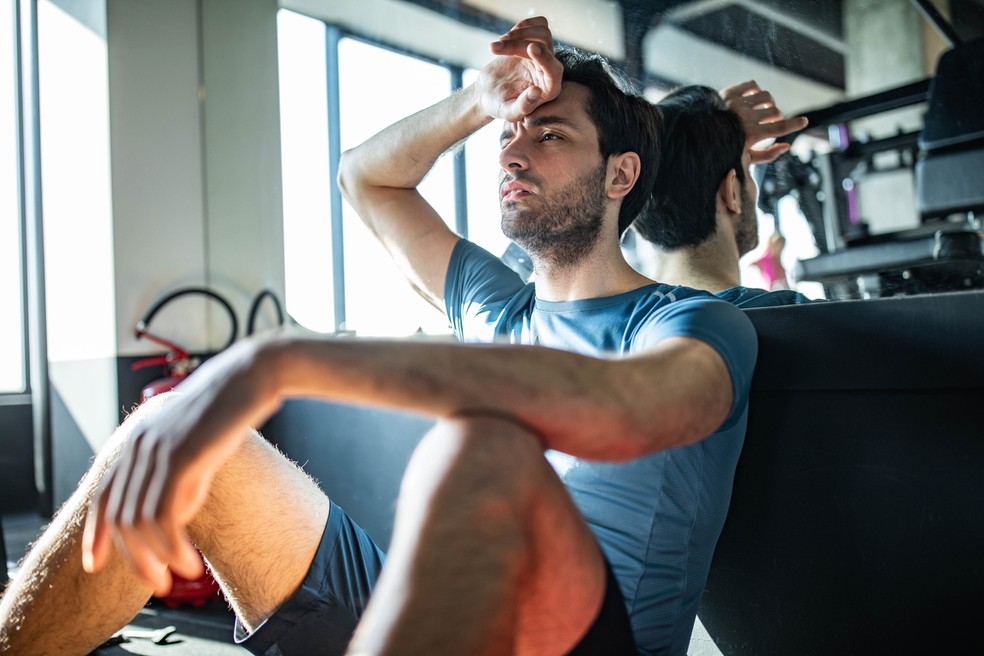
(625, 120)
(702, 140)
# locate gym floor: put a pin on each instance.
(204, 631)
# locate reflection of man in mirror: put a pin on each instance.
(636, 390)
(702, 215)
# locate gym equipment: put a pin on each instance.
(946, 251)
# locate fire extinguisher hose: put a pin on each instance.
(144, 322)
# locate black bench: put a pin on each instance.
(857, 522)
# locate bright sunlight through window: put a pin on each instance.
(378, 87)
(12, 376)
(306, 180)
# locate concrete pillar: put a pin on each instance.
(243, 197)
(884, 50)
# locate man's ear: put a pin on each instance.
(623, 172)
(729, 192)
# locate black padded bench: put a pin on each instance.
(857, 522)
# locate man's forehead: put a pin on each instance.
(573, 98)
(571, 106)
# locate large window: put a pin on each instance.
(306, 176)
(12, 361)
(378, 87)
(482, 167)
(337, 84)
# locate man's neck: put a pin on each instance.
(712, 266)
(602, 272)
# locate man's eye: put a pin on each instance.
(549, 136)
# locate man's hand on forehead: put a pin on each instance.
(524, 75)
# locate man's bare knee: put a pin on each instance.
(488, 439)
(477, 455)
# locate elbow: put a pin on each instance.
(635, 438)
(705, 416)
(701, 398)
(634, 446)
(348, 177)
(683, 422)
(702, 426)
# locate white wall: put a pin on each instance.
(243, 196)
(158, 183)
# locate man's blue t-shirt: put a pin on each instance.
(657, 518)
(751, 297)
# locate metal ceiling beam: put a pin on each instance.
(638, 17)
(701, 7)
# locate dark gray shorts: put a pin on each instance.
(320, 618)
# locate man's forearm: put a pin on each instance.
(590, 407)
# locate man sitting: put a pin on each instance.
(637, 390)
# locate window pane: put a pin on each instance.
(304, 161)
(12, 377)
(378, 87)
(482, 173)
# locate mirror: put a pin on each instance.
(851, 184)
(844, 200)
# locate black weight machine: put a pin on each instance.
(946, 251)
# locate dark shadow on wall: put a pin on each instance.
(17, 491)
(356, 454)
(71, 453)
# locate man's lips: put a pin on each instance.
(513, 190)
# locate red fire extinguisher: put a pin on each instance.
(177, 364)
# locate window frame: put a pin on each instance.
(333, 36)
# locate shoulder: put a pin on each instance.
(686, 312)
(483, 297)
(720, 325)
(472, 269)
(751, 297)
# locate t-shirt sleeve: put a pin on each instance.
(475, 279)
(722, 326)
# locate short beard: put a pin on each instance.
(564, 228)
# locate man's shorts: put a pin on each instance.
(320, 618)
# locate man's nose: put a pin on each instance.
(514, 156)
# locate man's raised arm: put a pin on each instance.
(379, 178)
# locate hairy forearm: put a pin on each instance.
(590, 407)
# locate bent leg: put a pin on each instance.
(259, 529)
(39, 611)
(256, 501)
(489, 553)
